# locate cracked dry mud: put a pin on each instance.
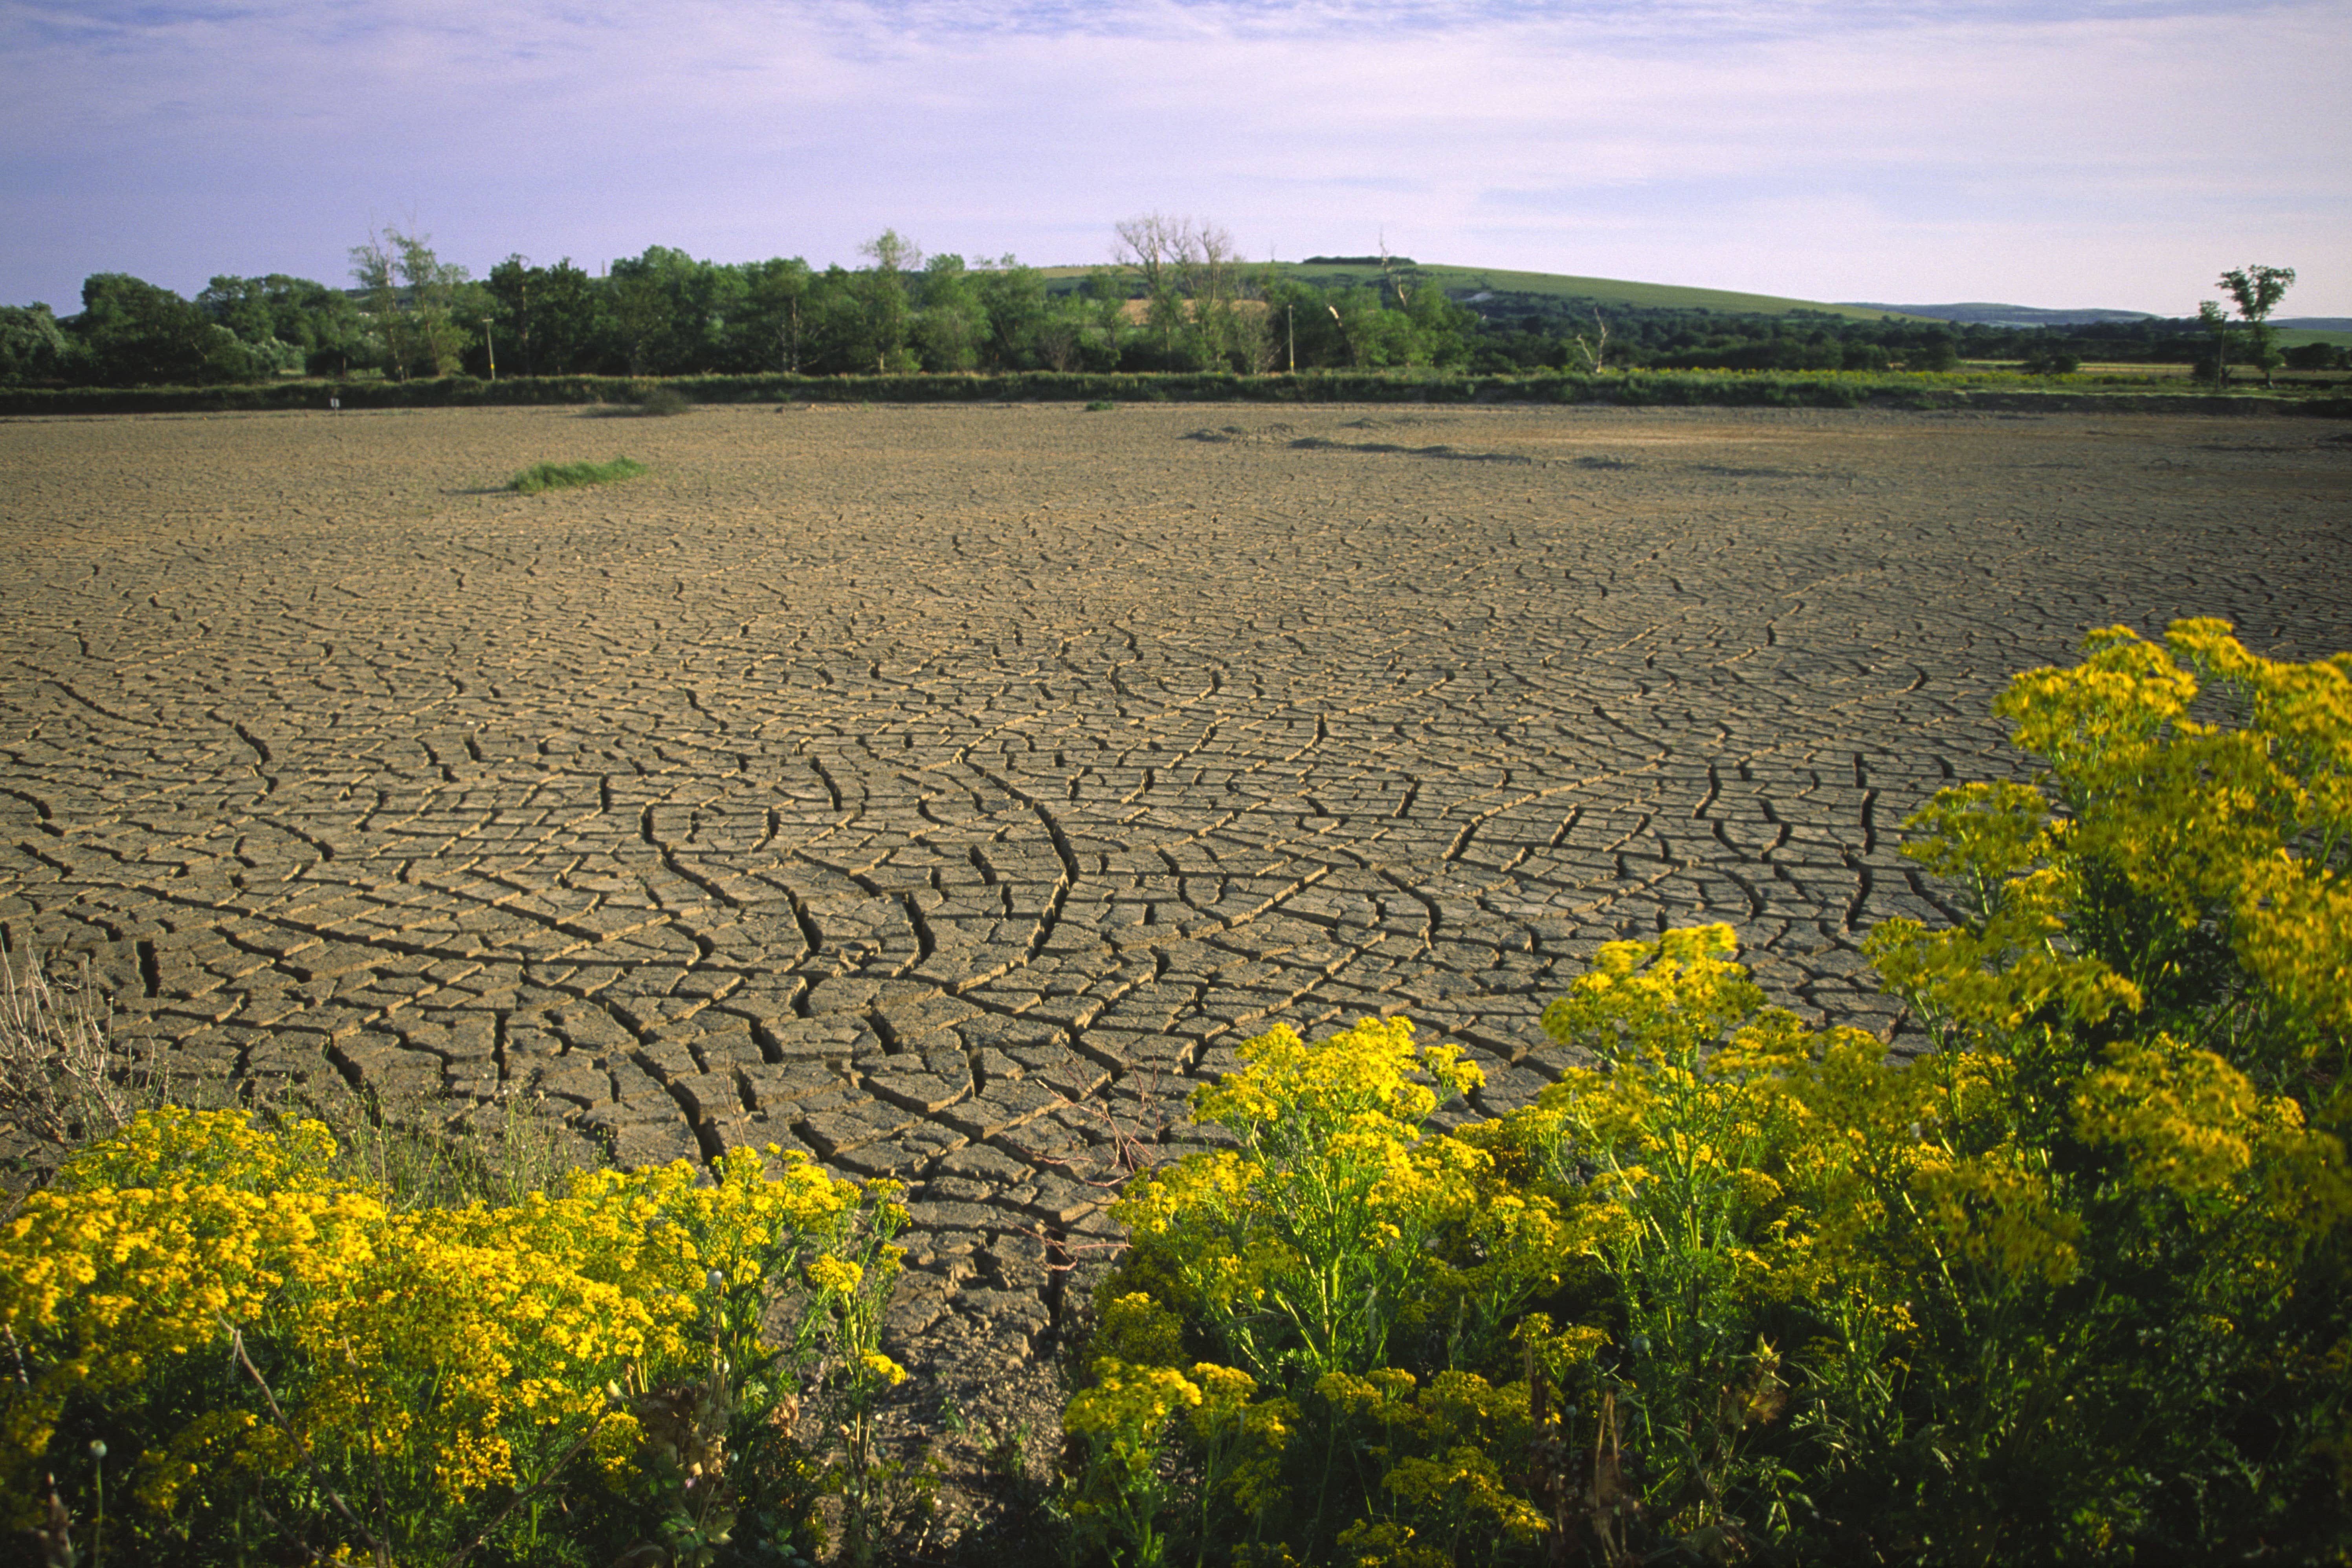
(945, 790)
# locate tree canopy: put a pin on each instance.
(1178, 296)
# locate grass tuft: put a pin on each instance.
(1101, 406)
(649, 403)
(564, 476)
(60, 1081)
(64, 1084)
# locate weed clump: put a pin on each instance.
(651, 402)
(2070, 1284)
(60, 1080)
(565, 476)
(1101, 406)
(217, 1338)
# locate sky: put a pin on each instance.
(2063, 153)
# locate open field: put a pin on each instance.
(936, 787)
(1560, 285)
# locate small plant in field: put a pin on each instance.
(649, 403)
(1101, 406)
(565, 476)
(2075, 1283)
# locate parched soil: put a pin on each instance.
(945, 791)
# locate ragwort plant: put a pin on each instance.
(274, 1360)
(2070, 1284)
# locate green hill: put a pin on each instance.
(1464, 282)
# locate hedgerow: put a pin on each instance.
(1802, 389)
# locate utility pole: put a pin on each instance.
(491, 348)
(1290, 335)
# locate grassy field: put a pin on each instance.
(1605, 290)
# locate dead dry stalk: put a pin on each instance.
(59, 1080)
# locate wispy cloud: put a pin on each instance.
(2111, 151)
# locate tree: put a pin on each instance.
(640, 315)
(563, 322)
(1015, 298)
(776, 300)
(1595, 353)
(33, 346)
(137, 333)
(412, 299)
(1152, 247)
(951, 327)
(293, 321)
(884, 317)
(2257, 291)
(1102, 343)
(515, 285)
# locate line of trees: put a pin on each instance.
(1178, 296)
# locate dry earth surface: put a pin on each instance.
(945, 791)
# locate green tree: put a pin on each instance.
(293, 321)
(33, 346)
(885, 321)
(546, 316)
(673, 315)
(1103, 341)
(1013, 297)
(564, 322)
(2256, 291)
(413, 302)
(950, 329)
(775, 320)
(137, 334)
(516, 287)
(639, 318)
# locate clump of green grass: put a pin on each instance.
(649, 403)
(563, 476)
(1101, 406)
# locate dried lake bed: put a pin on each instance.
(944, 791)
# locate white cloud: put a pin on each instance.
(2116, 154)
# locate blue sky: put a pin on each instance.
(2109, 152)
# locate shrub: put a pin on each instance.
(2070, 1283)
(1101, 406)
(259, 1353)
(564, 476)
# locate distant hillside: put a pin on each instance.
(1468, 283)
(1989, 315)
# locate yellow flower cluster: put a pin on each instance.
(1328, 1227)
(2143, 1023)
(463, 1351)
(2240, 830)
